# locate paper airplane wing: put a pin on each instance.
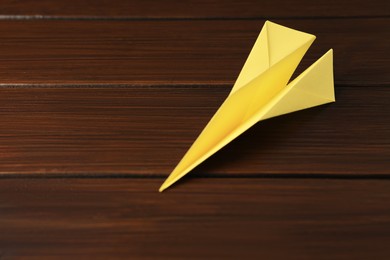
(274, 43)
(313, 87)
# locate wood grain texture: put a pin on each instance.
(100, 99)
(145, 131)
(202, 219)
(177, 52)
(191, 8)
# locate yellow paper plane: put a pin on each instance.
(262, 91)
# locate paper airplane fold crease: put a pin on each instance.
(262, 90)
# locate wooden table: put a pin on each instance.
(99, 100)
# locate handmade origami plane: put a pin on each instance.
(262, 91)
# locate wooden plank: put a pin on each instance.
(146, 131)
(192, 8)
(177, 52)
(201, 219)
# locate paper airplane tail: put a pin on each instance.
(312, 88)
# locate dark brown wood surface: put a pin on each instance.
(145, 131)
(219, 9)
(178, 52)
(100, 99)
(123, 218)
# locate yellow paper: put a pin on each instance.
(262, 91)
